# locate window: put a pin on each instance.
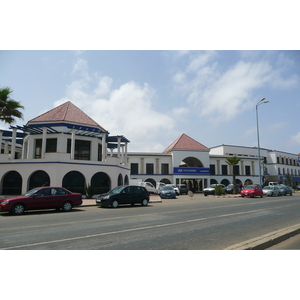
(247, 170)
(51, 145)
(134, 168)
(82, 149)
(236, 170)
(165, 169)
(149, 168)
(212, 169)
(224, 170)
(38, 148)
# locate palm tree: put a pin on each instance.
(9, 108)
(233, 161)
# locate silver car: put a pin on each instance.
(271, 191)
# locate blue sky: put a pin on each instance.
(152, 97)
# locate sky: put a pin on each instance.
(153, 96)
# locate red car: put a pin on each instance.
(41, 198)
(252, 191)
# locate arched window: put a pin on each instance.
(191, 162)
(101, 182)
(166, 181)
(213, 181)
(74, 181)
(38, 178)
(12, 183)
(225, 182)
(120, 180)
(126, 180)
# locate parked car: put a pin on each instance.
(271, 191)
(229, 189)
(282, 191)
(149, 187)
(182, 189)
(288, 190)
(252, 190)
(211, 189)
(159, 186)
(167, 192)
(41, 198)
(126, 194)
(176, 189)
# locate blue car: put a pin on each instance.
(167, 192)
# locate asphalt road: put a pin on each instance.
(184, 223)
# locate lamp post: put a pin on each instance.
(261, 101)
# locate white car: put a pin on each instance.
(211, 189)
(271, 191)
(176, 189)
(149, 187)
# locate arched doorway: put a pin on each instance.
(225, 182)
(101, 182)
(38, 178)
(12, 183)
(213, 181)
(166, 181)
(152, 181)
(120, 180)
(126, 180)
(74, 181)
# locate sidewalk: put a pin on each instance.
(267, 240)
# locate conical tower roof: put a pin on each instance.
(184, 142)
(66, 112)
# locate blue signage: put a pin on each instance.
(188, 171)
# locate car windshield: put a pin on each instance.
(250, 187)
(116, 190)
(31, 192)
(167, 188)
(267, 188)
(212, 186)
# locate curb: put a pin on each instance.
(267, 240)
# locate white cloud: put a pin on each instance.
(221, 95)
(295, 139)
(126, 110)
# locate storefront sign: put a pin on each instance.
(188, 171)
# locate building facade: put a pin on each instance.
(65, 147)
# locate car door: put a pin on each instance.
(56, 198)
(39, 199)
(126, 196)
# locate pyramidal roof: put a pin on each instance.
(66, 112)
(184, 142)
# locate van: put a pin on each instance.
(159, 186)
(273, 183)
(149, 187)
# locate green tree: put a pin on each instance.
(288, 178)
(233, 161)
(9, 108)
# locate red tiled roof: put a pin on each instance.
(184, 142)
(66, 112)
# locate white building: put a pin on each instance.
(65, 147)
(62, 147)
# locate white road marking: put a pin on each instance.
(131, 230)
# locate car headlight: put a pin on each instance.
(4, 202)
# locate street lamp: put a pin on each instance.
(261, 101)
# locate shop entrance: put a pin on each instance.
(196, 185)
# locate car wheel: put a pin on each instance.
(145, 202)
(115, 204)
(67, 206)
(18, 209)
(261, 196)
